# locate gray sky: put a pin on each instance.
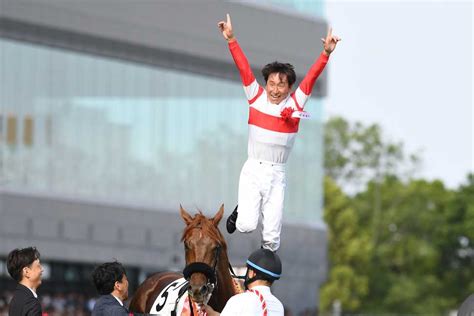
(408, 66)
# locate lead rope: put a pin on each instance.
(199, 311)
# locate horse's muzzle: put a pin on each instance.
(201, 294)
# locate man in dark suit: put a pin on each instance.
(24, 266)
(111, 282)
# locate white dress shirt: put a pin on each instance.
(121, 303)
(33, 291)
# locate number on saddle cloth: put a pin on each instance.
(170, 301)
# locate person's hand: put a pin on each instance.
(226, 29)
(210, 311)
(330, 42)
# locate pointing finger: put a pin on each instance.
(329, 32)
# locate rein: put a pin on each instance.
(240, 277)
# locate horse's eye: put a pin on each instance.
(186, 246)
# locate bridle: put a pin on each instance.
(210, 273)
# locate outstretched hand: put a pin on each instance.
(330, 42)
(226, 29)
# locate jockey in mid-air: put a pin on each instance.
(274, 116)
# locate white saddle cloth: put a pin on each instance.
(166, 301)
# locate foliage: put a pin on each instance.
(400, 245)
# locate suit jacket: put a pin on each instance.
(107, 305)
(24, 303)
(467, 307)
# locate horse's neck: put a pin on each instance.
(225, 284)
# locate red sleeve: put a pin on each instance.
(242, 63)
(308, 82)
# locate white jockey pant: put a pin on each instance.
(262, 189)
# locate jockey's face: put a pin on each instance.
(277, 87)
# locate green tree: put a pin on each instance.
(404, 274)
(457, 244)
(355, 153)
(348, 252)
(400, 245)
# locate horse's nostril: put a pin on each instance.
(203, 290)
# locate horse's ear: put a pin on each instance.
(217, 218)
(184, 215)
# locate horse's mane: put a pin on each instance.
(207, 227)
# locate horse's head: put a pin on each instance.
(203, 244)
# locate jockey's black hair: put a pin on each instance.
(282, 69)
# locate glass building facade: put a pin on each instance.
(313, 8)
(94, 128)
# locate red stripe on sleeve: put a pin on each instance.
(242, 63)
(259, 93)
(296, 102)
(308, 82)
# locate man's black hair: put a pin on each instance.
(282, 69)
(18, 259)
(105, 276)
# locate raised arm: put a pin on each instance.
(251, 87)
(306, 86)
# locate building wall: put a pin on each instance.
(172, 34)
(85, 126)
(110, 120)
(150, 239)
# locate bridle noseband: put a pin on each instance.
(204, 268)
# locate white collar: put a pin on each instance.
(117, 299)
(261, 288)
(32, 291)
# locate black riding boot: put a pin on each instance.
(231, 220)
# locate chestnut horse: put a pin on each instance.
(207, 268)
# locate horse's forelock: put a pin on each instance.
(207, 227)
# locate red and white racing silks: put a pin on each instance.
(272, 133)
(271, 137)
